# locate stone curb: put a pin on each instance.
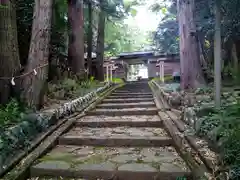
(189, 154)
(39, 122)
(155, 87)
(181, 121)
(200, 146)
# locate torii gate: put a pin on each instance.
(165, 62)
(110, 67)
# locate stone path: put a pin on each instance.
(122, 139)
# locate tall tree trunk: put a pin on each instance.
(76, 38)
(100, 46)
(53, 58)
(217, 55)
(9, 54)
(90, 39)
(235, 58)
(191, 71)
(38, 53)
(15, 49)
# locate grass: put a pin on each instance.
(117, 80)
(166, 78)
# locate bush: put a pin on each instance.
(71, 88)
(11, 113)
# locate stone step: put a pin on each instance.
(135, 91)
(116, 121)
(122, 112)
(116, 137)
(139, 87)
(126, 105)
(93, 163)
(138, 90)
(129, 96)
(134, 86)
(132, 100)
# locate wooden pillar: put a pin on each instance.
(163, 71)
(111, 69)
(114, 68)
(160, 73)
(107, 73)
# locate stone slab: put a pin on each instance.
(126, 105)
(121, 118)
(132, 100)
(125, 111)
(129, 96)
(115, 121)
(116, 93)
(116, 136)
(116, 141)
(103, 162)
(137, 167)
(123, 132)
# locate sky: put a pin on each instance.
(145, 20)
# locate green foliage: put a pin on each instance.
(72, 88)
(117, 38)
(166, 38)
(3, 6)
(69, 84)
(117, 80)
(223, 128)
(236, 77)
(11, 113)
(88, 83)
(122, 37)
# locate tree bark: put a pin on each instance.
(90, 39)
(217, 55)
(191, 71)
(38, 54)
(100, 46)
(235, 58)
(9, 55)
(76, 38)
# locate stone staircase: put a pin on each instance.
(122, 139)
